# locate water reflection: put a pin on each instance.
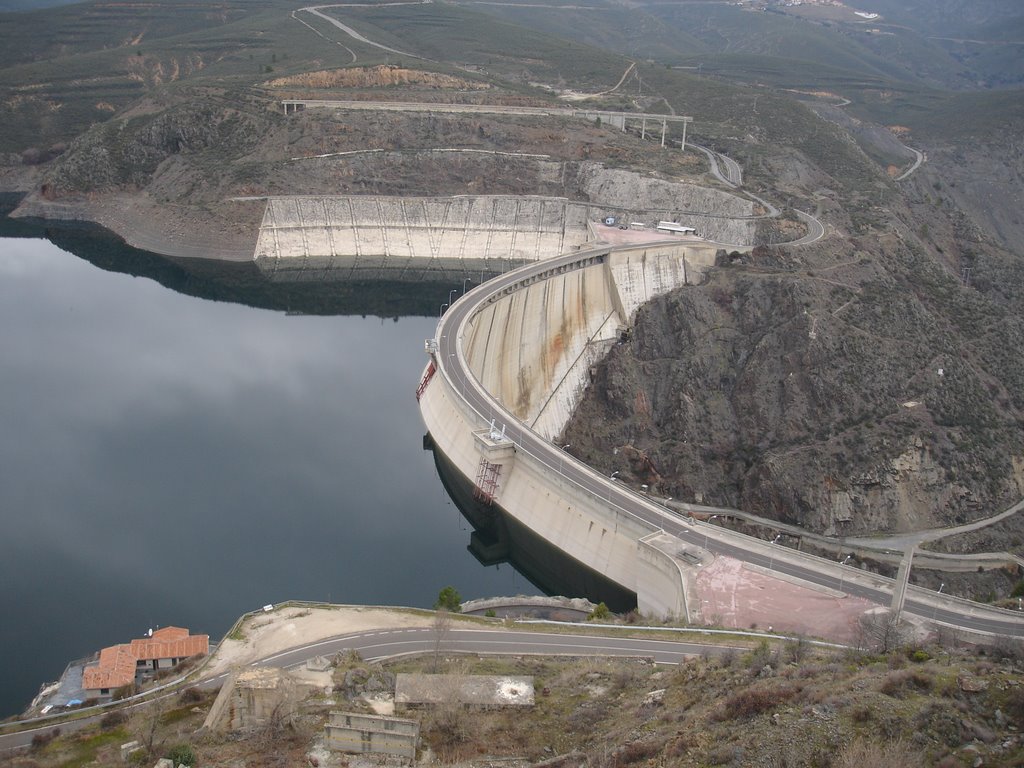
(498, 538)
(168, 459)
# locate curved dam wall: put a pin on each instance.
(531, 349)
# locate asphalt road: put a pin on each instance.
(389, 644)
(806, 567)
(728, 171)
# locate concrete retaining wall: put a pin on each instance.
(368, 734)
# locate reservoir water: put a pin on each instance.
(181, 456)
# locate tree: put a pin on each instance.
(442, 626)
(449, 599)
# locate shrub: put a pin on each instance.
(861, 753)
(113, 719)
(753, 701)
(182, 754)
(448, 599)
(190, 696)
(638, 751)
(902, 682)
(599, 613)
(41, 739)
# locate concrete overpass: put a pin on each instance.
(613, 118)
(509, 364)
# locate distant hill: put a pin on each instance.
(31, 5)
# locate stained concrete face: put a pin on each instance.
(423, 238)
(381, 235)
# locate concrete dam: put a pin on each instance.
(444, 238)
(516, 361)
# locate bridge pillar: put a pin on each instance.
(899, 592)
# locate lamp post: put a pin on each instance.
(561, 458)
(441, 311)
(706, 530)
(611, 477)
(935, 608)
(771, 554)
(464, 281)
(842, 573)
(453, 290)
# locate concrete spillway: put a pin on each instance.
(526, 353)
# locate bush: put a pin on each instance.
(600, 613)
(902, 682)
(449, 599)
(862, 753)
(190, 696)
(637, 751)
(182, 754)
(753, 701)
(41, 739)
(113, 719)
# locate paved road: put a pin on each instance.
(388, 644)
(918, 159)
(815, 229)
(731, 176)
(903, 540)
(325, 37)
(452, 365)
(315, 10)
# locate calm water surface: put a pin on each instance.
(166, 459)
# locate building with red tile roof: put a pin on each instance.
(120, 665)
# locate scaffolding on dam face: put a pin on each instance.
(487, 481)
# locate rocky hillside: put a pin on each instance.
(853, 386)
(758, 706)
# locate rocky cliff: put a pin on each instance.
(849, 387)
